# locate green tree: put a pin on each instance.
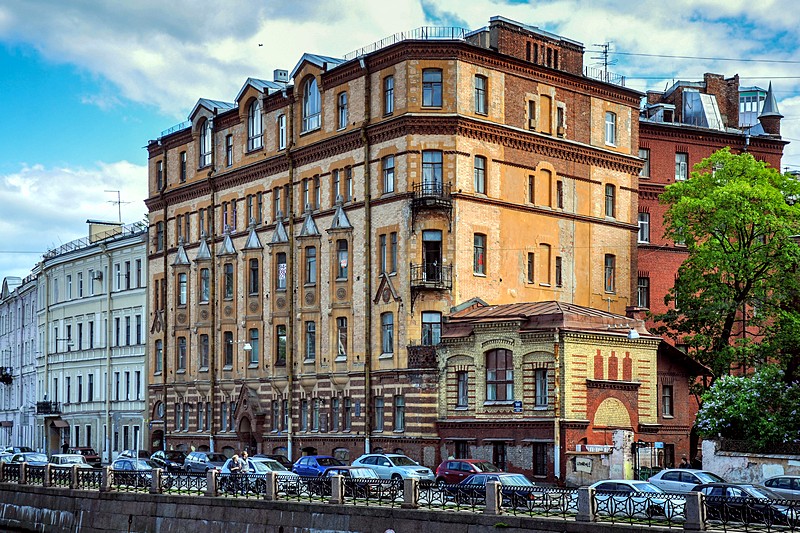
(737, 217)
(761, 409)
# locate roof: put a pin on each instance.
(262, 86)
(212, 105)
(314, 59)
(770, 108)
(545, 315)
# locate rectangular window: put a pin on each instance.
(432, 87)
(336, 189)
(431, 328)
(138, 381)
(205, 285)
(335, 414)
(388, 95)
(303, 415)
(342, 257)
(348, 184)
(610, 200)
(159, 355)
(666, 400)
(280, 345)
(480, 174)
(611, 128)
(499, 375)
(342, 107)
(531, 266)
(181, 363)
(347, 414)
(393, 252)
(227, 339)
(127, 331)
(681, 166)
(379, 413)
(540, 458)
(183, 167)
(531, 114)
(341, 336)
(159, 175)
(281, 132)
(253, 277)
(90, 388)
(643, 292)
(560, 194)
(558, 271)
(609, 272)
(223, 417)
(139, 271)
(127, 386)
(382, 251)
(387, 163)
(480, 95)
(229, 151)
(532, 189)
(387, 333)
(315, 414)
(80, 389)
(541, 387)
(182, 289)
(254, 346)
(644, 227)
(280, 272)
(228, 281)
(644, 154)
(311, 265)
(462, 389)
(276, 204)
(311, 341)
(317, 193)
(479, 254)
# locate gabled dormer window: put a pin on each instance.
(311, 105)
(254, 126)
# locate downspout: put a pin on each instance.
(212, 337)
(46, 351)
(109, 429)
(557, 401)
(163, 308)
(290, 340)
(367, 263)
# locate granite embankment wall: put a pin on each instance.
(29, 508)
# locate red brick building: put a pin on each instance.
(677, 129)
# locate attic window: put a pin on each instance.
(311, 106)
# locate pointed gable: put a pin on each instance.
(181, 259)
(322, 62)
(253, 242)
(386, 290)
(279, 236)
(770, 108)
(261, 86)
(340, 220)
(309, 228)
(227, 244)
(203, 252)
(210, 106)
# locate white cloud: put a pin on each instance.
(47, 207)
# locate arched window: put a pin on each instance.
(311, 104)
(254, 126)
(499, 375)
(205, 144)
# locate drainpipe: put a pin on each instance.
(557, 403)
(290, 281)
(109, 429)
(212, 337)
(46, 351)
(165, 270)
(367, 264)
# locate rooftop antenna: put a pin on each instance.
(604, 50)
(119, 203)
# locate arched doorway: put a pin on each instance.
(246, 437)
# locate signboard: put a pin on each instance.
(583, 464)
(658, 445)
(518, 406)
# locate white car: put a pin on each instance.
(271, 464)
(395, 466)
(628, 498)
(682, 479)
(69, 459)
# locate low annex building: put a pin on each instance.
(525, 385)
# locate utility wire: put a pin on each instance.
(787, 61)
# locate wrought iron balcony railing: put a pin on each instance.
(48, 408)
(431, 276)
(421, 356)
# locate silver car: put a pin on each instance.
(787, 487)
(395, 466)
(683, 479)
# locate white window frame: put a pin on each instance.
(644, 227)
(611, 128)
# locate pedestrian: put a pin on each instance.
(245, 464)
(684, 463)
(65, 446)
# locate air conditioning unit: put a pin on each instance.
(97, 275)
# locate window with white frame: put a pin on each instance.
(388, 95)
(479, 174)
(431, 328)
(281, 132)
(311, 341)
(254, 345)
(341, 337)
(205, 144)
(399, 413)
(342, 109)
(387, 164)
(541, 387)
(387, 333)
(644, 227)
(462, 389)
(681, 166)
(644, 154)
(499, 375)
(254, 126)
(611, 128)
(666, 400)
(311, 105)
(481, 84)
(432, 87)
(643, 292)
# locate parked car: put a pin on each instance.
(251, 479)
(282, 459)
(32, 458)
(132, 472)
(640, 499)
(472, 489)
(741, 502)
(395, 466)
(5, 457)
(18, 449)
(787, 487)
(454, 471)
(87, 451)
(360, 481)
(169, 460)
(682, 479)
(69, 459)
(135, 454)
(314, 465)
(203, 461)
(275, 466)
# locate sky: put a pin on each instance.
(85, 84)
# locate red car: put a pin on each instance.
(453, 471)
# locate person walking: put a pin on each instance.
(684, 463)
(65, 446)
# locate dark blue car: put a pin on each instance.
(315, 465)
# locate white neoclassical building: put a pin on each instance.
(17, 361)
(91, 309)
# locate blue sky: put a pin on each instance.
(86, 83)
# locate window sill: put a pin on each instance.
(540, 407)
(498, 402)
(180, 371)
(611, 292)
(309, 361)
(479, 274)
(389, 114)
(431, 106)
(227, 368)
(311, 284)
(311, 130)
(252, 366)
(461, 407)
(544, 285)
(612, 145)
(667, 416)
(642, 242)
(340, 359)
(251, 150)
(482, 113)
(386, 355)
(203, 303)
(399, 431)
(203, 369)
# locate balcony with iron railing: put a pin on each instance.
(48, 408)
(421, 356)
(431, 196)
(431, 276)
